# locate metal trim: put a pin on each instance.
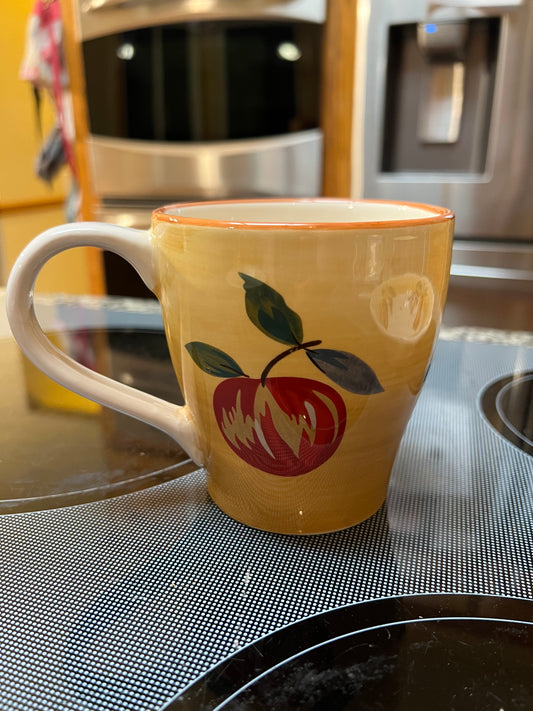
(103, 17)
(289, 165)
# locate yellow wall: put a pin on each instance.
(28, 205)
(19, 138)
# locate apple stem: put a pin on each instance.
(281, 356)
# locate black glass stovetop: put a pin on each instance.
(42, 467)
(123, 587)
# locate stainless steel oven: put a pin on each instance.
(196, 100)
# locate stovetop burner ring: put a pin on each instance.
(400, 652)
(507, 404)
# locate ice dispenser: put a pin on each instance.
(439, 89)
(445, 94)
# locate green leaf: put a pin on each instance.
(347, 370)
(214, 361)
(268, 311)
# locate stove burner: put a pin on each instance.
(507, 403)
(70, 455)
(406, 653)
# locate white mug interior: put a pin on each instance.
(302, 212)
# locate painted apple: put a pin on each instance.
(286, 426)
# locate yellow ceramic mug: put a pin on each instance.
(300, 332)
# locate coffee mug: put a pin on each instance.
(300, 332)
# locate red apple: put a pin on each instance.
(288, 426)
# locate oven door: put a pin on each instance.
(205, 105)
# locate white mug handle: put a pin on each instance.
(135, 246)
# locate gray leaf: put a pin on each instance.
(347, 370)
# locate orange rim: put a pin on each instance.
(440, 214)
